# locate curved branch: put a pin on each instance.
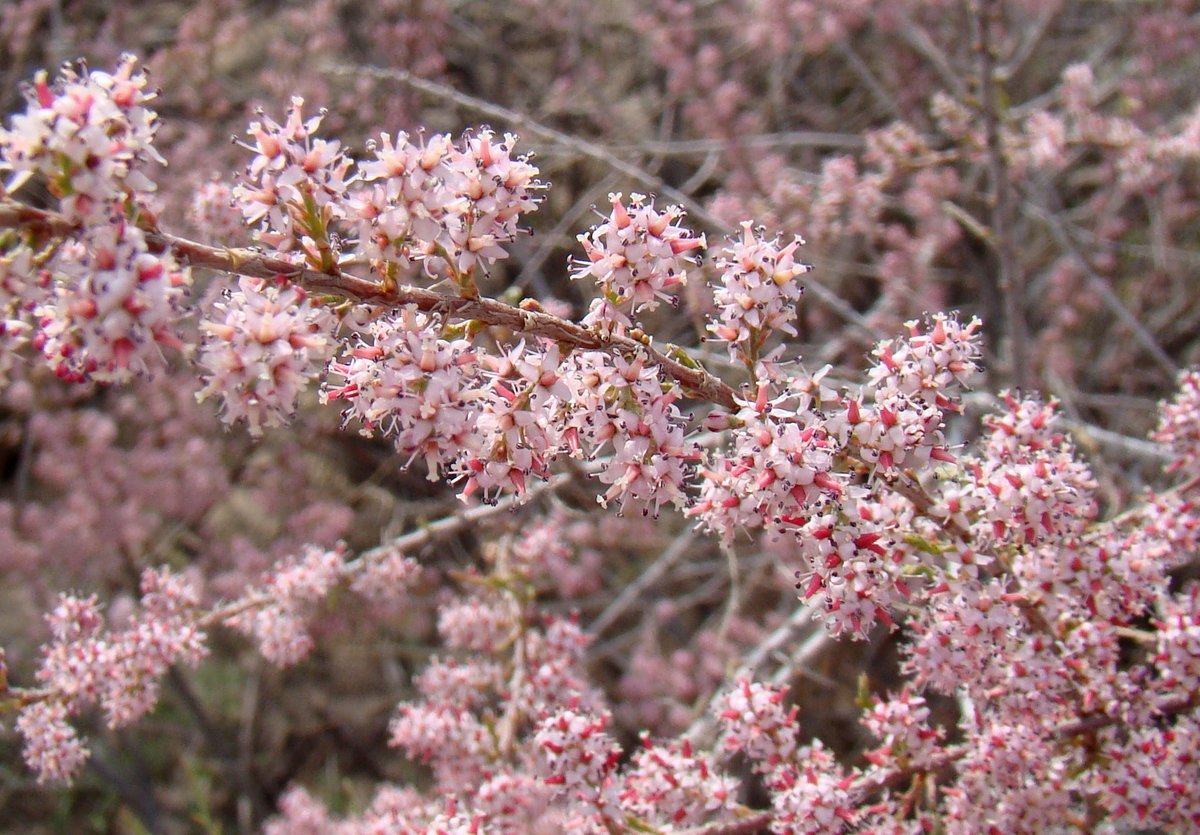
(249, 262)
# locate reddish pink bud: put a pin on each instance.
(45, 96)
(680, 245)
(826, 481)
(122, 352)
(814, 586)
(620, 216)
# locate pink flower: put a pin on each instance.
(91, 137)
(114, 305)
(757, 724)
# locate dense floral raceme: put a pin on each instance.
(101, 305)
(802, 550)
(634, 256)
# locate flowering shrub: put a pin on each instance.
(523, 652)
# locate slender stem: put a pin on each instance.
(986, 18)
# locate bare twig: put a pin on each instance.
(986, 19)
(880, 93)
(633, 592)
(918, 39)
(1102, 288)
(788, 139)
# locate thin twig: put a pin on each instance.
(985, 15)
(918, 39)
(633, 592)
(881, 95)
(1102, 288)
(787, 139)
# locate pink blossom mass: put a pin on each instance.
(678, 418)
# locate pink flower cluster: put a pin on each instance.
(495, 421)
(675, 783)
(635, 256)
(912, 387)
(579, 759)
(409, 383)
(781, 465)
(854, 571)
(1180, 424)
(757, 294)
(89, 136)
(1027, 484)
(295, 186)
(100, 304)
(119, 670)
(627, 408)
(277, 623)
(265, 344)
(111, 305)
(451, 208)
(756, 723)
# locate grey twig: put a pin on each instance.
(1102, 288)
(985, 16)
(653, 573)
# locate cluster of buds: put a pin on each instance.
(295, 187)
(912, 388)
(580, 758)
(100, 304)
(1179, 426)
(408, 382)
(451, 207)
(269, 343)
(1027, 485)
(292, 587)
(114, 304)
